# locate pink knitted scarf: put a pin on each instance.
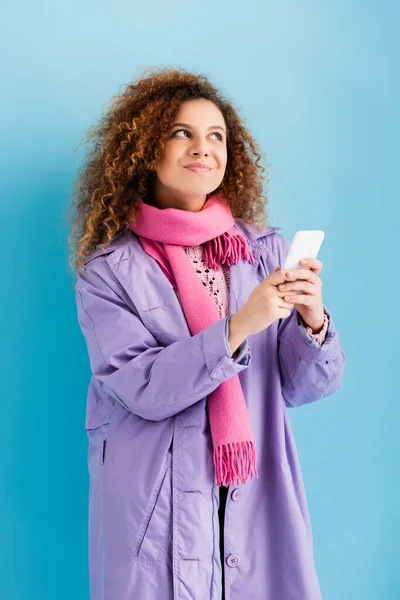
(163, 233)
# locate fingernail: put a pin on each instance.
(290, 274)
(305, 262)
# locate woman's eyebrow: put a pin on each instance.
(190, 127)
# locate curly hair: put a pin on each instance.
(127, 143)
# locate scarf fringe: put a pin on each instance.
(235, 462)
(227, 249)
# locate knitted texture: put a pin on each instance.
(216, 281)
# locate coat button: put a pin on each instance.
(233, 560)
(236, 494)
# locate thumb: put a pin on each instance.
(274, 271)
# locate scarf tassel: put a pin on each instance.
(227, 249)
(235, 461)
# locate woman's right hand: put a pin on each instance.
(264, 305)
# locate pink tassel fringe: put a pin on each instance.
(235, 462)
(227, 248)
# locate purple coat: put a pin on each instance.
(153, 506)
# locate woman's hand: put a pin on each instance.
(309, 305)
(268, 302)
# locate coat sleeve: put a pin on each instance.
(309, 370)
(150, 380)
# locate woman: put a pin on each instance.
(196, 353)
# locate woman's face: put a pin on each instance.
(197, 135)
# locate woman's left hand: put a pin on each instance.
(309, 305)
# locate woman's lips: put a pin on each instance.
(198, 170)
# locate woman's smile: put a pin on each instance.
(199, 170)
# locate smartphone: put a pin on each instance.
(305, 244)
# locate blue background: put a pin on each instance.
(318, 85)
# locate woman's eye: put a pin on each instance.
(179, 130)
(186, 131)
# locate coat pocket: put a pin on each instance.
(97, 431)
(97, 438)
(156, 529)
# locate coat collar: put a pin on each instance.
(247, 230)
